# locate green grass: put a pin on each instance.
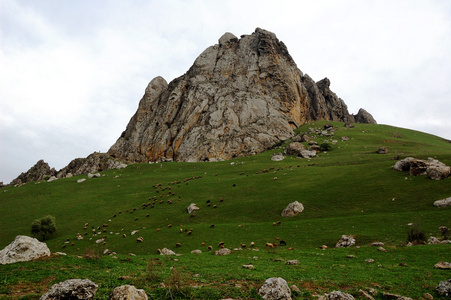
(348, 190)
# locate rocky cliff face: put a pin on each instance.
(240, 97)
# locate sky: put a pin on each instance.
(72, 72)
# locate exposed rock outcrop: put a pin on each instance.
(433, 168)
(94, 163)
(23, 248)
(240, 97)
(40, 171)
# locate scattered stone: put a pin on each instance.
(293, 262)
(338, 295)
(294, 288)
(310, 153)
(249, 266)
(223, 251)
(433, 240)
(292, 209)
(72, 289)
(277, 157)
(382, 150)
(128, 292)
(323, 247)
(166, 251)
(382, 249)
(197, 251)
(395, 296)
(192, 208)
(351, 256)
(345, 241)
(443, 203)
(377, 244)
(443, 265)
(369, 260)
(365, 294)
(275, 288)
(52, 178)
(23, 248)
(427, 296)
(95, 175)
(81, 180)
(294, 148)
(344, 138)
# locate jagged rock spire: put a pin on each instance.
(240, 97)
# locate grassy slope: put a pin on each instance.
(349, 190)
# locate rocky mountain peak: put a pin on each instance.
(240, 97)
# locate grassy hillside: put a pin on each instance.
(348, 190)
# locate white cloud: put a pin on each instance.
(72, 74)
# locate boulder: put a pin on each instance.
(345, 241)
(443, 265)
(365, 294)
(435, 169)
(433, 240)
(128, 292)
(71, 289)
(395, 296)
(275, 288)
(309, 153)
(444, 288)
(52, 178)
(338, 295)
(223, 251)
(443, 203)
(363, 116)
(292, 209)
(23, 248)
(294, 148)
(277, 157)
(166, 251)
(192, 208)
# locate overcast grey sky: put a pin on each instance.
(72, 72)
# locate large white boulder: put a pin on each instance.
(275, 288)
(128, 292)
(23, 248)
(292, 209)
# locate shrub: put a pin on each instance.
(43, 226)
(325, 147)
(415, 235)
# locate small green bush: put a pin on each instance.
(415, 234)
(325, 147)
(43, 226)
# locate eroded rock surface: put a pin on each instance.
(23, 248)
(240, 97)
